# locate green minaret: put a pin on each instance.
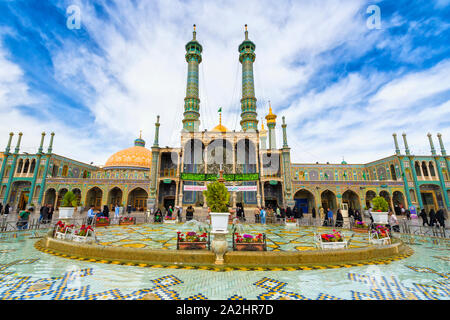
(191, 113)
(247, 56)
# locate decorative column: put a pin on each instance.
(152, 199)
(443, 152)
(397, 149)
(13, 169)
(44, 176)
(247, 57)
(437, 161)
(5, 159)
(405, 181)
(286, 160)
(191, 113)
(433, 151)
(413, 170)
(271, 123)
(36, 169)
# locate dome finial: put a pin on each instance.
(194, 33)
(140, 134)
(246, 32)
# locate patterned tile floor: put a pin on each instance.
(157, 236)
(26, 273)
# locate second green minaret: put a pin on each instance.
(249, 121)
(191, 113)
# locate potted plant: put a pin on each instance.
(84, 234)
(69, 203)
(192, 240)
(170, 220)
(217, 198)
(360, 226)
(127, 221)
(102, 222)
(290, 222)
(380, 210)
(379, 235)
(248, 242)
(333, 240)
(62, 231)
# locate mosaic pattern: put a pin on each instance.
(279, 238)
(26, 273)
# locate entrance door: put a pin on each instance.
(429, 201)
(140, 203)
(169, 201)
(302, 203)
(271, 203)
(23, 200)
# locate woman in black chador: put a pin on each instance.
(423, 215)
(432, 218)
(339, 219)
(105, 211)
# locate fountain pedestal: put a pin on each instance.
(219, 245)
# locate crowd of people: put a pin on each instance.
(433, 218)
(263, 215)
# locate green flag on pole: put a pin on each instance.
(220, 109)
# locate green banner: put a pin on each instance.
(214, 177)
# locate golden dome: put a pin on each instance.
(220, 127)
(135, 157)
(271, 117)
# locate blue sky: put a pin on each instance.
(344, 88)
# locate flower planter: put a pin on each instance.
(60, 235)
(192, 245)
(125, 223)
(360, 230)
(333, 245)
(101, 224)
(382, 241)
(291, 224)
(243, 246)
(380, 217)
(81, 239)
(219, 221)
(170, 221)
(66, 212)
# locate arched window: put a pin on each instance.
(26, 166)
(20, 166)
(393, 174)
(424, 169)
(65, 171)
(417, 167)
(33, 166)
(432, 172)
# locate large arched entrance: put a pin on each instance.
(352, 199)
(77, 193)
(328, 200)
(137, 198)
(94, 198)
(115, 197)
(273, 194)
(369, 197)
(305, 200)
(432, 197)
(386, 197)
(166, 193)
(398, 199)
(61, 194)
(20, 192)
(50, 196)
